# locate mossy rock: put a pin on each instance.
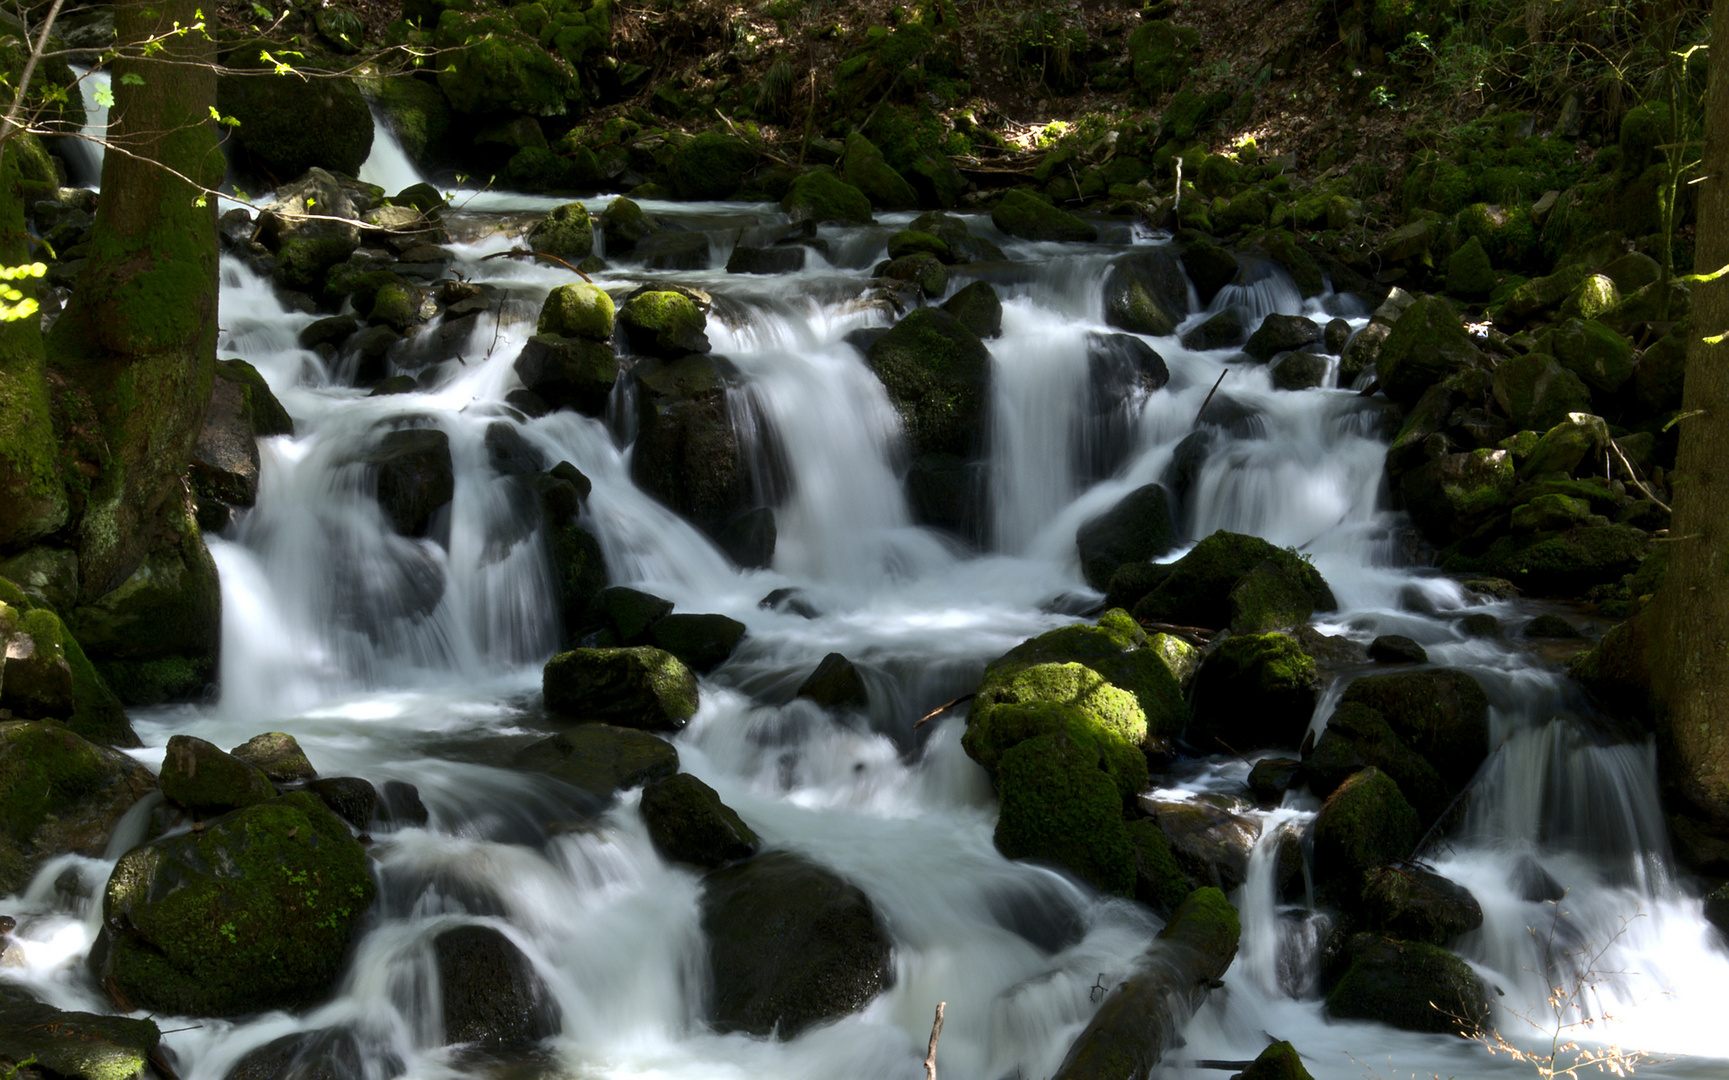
(1469, 272)
(993, 731)
(601, 759)
(640, 687)
(569, 372)
(488, 65)
(1426, 345)
(37, 1039)
(664, 323)
(1536, 392)
(59, 793)
(1061, 806)
(278, 756)
(269, 930)
(199, 777)
(711, 166)
(1161, 54)
(936, 372)
(820, 195)
(567, 232)
(921, 269)
(291, 123)
(688, 823)
(1270, 597)
(1255, 691)
(1410, 985)
(97, 713)
(580, 310)
(1278, 1061)
(963, 247)
(1358, 737)
(1567, 563)
(1412, 904)
(1159, 882)
(1146, 294)
(1364, 824)
(1453, 495)
(633, 611)
(579, 565)
(977, 308)
(1022, 214)
(1441, 713)
(911, 242)
(1599, 356)
(1135, 529)
(416, 111)
(1197, 590)
(863, 166)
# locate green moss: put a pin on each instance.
(416, 111)
(711, 166)
(1196, 591)
(1366, 823)
(567, 233)
(490, 65)
(1161, 53)
(820, 195)
(863, 166)
(44, 769)
(580, 310)
(994, 730)
(157, 680)
(1266, 598)
(665, 323)
(1159, 882)
(936, 373)
(1025, 215)
(1060, 805)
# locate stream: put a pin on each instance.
(327, 636)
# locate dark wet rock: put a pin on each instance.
(1160, 882)
(509, 453)
(624, 224)
(278, 756)
(394, 385)
(569, 373)
(1277, 594)
(632, 612)
(1532, 883)
(601, 759)
(1146, 294)
(769, 260)
(1426, 345)
(1222, 331)
(415, 477)
(36, 1038)
(1272, 777)
(1209, 843)
(749, 538)
(1300, 371)
(1281, 333)
(1441, 713)
(835, 684)
(792, 601)
(1358, 737)
(1137, 528)
(1031, 218)
(936, 372)
(687, 453)
(1409, 985)
(491, 994)
(945, 491)
(1210, 267)
(688, 823)
(401, 805)
(702, 642)
(267, 930)
(640, 687)
(977, 308)
(59, 793)
(1197, 592)
(1254, 691)
(1334, 335)
(350, 798)
(1363, 825)
(1480, 624)
(1397, 649)
(1552, 626)
(328, 1054)
(671, 249)
(1279, 1061)
(1413, 904)
(1454, 495)
(198, 776)
(963, 247)
(790, 945)
(1120, 366)
(574, 552)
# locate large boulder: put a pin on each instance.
(835, 684)
(59, 793)
(1198, 590)
(601, 759)
(863, 166)
(1209, 844)
(1537, 393)
(711, 166)
(39, 1040)
(1031, 218)
(1453, 495)
(1358, 737)
(254, 912)
(291, 123)
(415, 477)
(640, 687)
(1413, 904)
(324, 1054)
(198, 776)
(46, 675)
(1365, 824)
(1281, 333)
(278, 756)
(665, 323)
(1135, 529)
(962, 246)
(1147, 293)
(1254, 692)
(569, 372)
(1426, 345)
(1441, 713)
(687, 453)
(1409, 985)
(790, 945)
(1062, 805)
(224, 466)
(1599, 356)
(688, 823)
(1567, 563)
(490, 993)
(578, 564)
(978, 308)
(579, 310)
(937, 373)
(567, 232)
(702, 642)
(820, 195)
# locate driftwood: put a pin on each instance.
(1142, 1016)
(943, 708)
(524, 253)
(1197, 636)
(936, 1033)
(1202, 411)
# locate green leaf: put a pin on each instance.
(131, 79)
(104, 97)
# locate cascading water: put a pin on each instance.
(410, 659)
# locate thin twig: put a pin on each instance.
(936, 1033)
(940, 709)
(1633, 476)
(517, 253)
(1202, 411)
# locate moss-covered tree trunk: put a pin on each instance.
(32, 490)
(1689, 625)
(139, 335)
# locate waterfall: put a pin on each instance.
(418, 659)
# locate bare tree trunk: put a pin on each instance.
(32, 488)
(139, 335)
(1688, 627)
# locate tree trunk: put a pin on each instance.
(1689, 623)
(32, 488)
(139, 334)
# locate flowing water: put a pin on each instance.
(393, 658)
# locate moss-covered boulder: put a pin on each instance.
(1596, 295)
(1569, 562)
(567, 232)
(1254, 691)
(59, 793)
(1599, 356)
(95, 712)
(952, 232)
(702, 642)
(1469, 273)
(1281, 333)
(199, 777)
(487, 64)
(1197, 591)
(790, 945)
(1426, 345)
(633, 611)
(1272, 596)
(291, 123)
(1162, 53)
(863, 166)
(1413, 904)
(35, 673)
(664, 323)
(579, 311)
(1135, 529)
(1029, 217)
(936, 372)
(254, 912)
(1159, 882)
(996, 730)
(820, 195)
(977, 308)
(1366, 823)
(1537, 393)
(922, 269)
(1453, 495)
(1147, 293)
(640, 687)
(417, 113)
(1409, 985)
(600, 759)
(39, 1040)
(624, 225)
(711, 166)
(688, 823)
(1279, 1061)
(1358, 737)
(1060, 805)
(278, 756)
(1441, 713)
(569, 372)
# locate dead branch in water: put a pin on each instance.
(936, 1033)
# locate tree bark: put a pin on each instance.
(139, 334)
(32, 487)
(1688, 626)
